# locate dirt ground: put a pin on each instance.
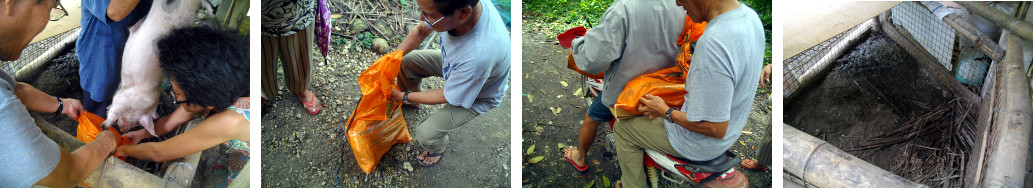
(303, 150)
(875, 88)
(550, 131)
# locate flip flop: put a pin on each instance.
(318, 104)
(745, 164)
(579, 168)
(423, 164)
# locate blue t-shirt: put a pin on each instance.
(27, 155)
(721, 82)
(476, 65)
(100, 45)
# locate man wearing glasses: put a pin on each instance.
(105, 29)
(29, 157)
(473, 60)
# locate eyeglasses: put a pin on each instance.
(175, 101)
(58, 12)
(427, 20)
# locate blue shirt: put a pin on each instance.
(721, 82)
(476, 65)
(100, 44)
(27, 155)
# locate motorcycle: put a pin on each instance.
(676, 171)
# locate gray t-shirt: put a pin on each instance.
(721, 82)
(26, 155)
(634, 37)
(476, 64)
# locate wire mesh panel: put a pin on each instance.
(795, 67)
(35, 50)
(930, 31)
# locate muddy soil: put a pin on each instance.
(875, 88)
(303, 150)
(544, 75)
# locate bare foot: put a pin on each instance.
(575, 155)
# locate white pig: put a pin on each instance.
(136, 100)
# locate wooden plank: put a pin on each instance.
(808, 23)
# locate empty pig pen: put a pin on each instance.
(909, 99)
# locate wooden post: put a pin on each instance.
(1018, 27)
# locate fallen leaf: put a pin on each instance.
(530, 99)
(606, 181)
(595, 162)
(536, 159)
(530, 150)
(335, 16)
(560, 145)
(564, 83)
(577, 92)
(590, 183)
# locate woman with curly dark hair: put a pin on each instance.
(208, 71)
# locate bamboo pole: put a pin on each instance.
(986, 45)
(1006, 160)
(1018, 27)
(824, 165)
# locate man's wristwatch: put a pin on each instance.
(60, 106)
(667, 115)
(405, 98)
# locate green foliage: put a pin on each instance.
(763, 8)
(568, 12)
(404, 2)
(365, 40)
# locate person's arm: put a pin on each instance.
(602, 44)
(436, 96)
(37, 101)
(164, 125)
(654, 106)
(221, 127)
(414, 38)
(119, 9)
(75, 166)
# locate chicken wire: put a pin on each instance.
(36, 49)
(796, 66)
(934, 35)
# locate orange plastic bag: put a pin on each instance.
(669, 83)
(377, 123)
(89, 127)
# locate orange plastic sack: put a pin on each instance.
(669, 83)
(572, 66)
(377, 123)
(89, 127)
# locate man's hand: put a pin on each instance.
(652, 106)
(765, 75)
(107, 136)
(397, 95)
(137, 135)
(72, 108)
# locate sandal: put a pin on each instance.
(314, 102)
(579, 168)
(747, 164)
(423, 164)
